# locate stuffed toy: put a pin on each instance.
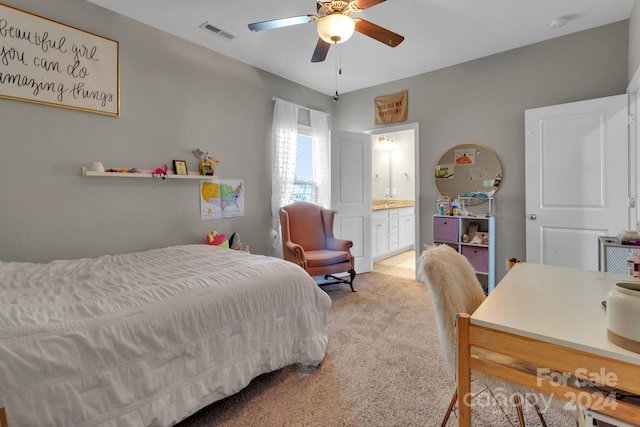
(160, 172)
(216, 239)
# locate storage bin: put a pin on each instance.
(445, 229)
(478, 257)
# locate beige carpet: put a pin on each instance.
(400, 265)
(383, 368)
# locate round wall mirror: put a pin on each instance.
(468, 169)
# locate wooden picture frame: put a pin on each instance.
(67, 67)
(180, 167)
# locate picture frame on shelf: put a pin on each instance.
(180, 167)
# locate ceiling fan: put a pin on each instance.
(335, 25)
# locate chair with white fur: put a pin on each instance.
(454, 289)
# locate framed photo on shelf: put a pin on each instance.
(180, 166)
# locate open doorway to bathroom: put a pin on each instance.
(395, 193)
(401, 265)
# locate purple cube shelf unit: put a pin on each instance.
(459, 232)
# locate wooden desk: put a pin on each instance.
(552, 318)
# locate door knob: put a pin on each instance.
(532, 216)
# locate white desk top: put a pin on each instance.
(557, 305)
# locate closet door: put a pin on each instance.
(576, 169)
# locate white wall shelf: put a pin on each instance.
(145, 174)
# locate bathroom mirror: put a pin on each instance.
(468, 168)
(393, 167)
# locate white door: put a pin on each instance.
(576, 169)
(351, 193)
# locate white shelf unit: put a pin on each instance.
(450, 230)
(145, 174)
(477, 200)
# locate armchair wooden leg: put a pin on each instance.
(341, 279)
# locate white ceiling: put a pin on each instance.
(438, 33)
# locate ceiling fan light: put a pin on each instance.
(336, 28)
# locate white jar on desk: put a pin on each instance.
(623, 315)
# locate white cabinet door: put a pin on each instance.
(393, 230)
(406, 230)
(379, 234)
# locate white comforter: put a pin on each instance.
(149, 338)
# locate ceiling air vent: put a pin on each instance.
(215, 30)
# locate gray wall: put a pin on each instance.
(634, 39)
(175, 96)
(484, 101)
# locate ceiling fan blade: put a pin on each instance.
(282, 22)
(364, 4)
(376, 32)
(320, 53)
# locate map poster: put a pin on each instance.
(221, 198)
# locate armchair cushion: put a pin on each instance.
(323, 257)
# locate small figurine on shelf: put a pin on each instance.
(207, 162)
(443, 206)
(159, 172)
(96, 167)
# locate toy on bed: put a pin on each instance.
(235, 243)
(216, 239)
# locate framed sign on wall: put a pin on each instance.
(391, 108)
(47, 62)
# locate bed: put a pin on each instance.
(149, 338)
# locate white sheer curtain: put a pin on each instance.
(321, 157)
(284, 139)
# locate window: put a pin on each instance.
(307, 172)
(304, 188)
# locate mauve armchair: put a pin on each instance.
(308, 240)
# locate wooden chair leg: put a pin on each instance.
(500, 406)
(450, 408)
(542, 421)
(454, 398)
(518, 402)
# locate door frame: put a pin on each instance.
(415, 127)
(633, 89)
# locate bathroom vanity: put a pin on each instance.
(392, 227)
